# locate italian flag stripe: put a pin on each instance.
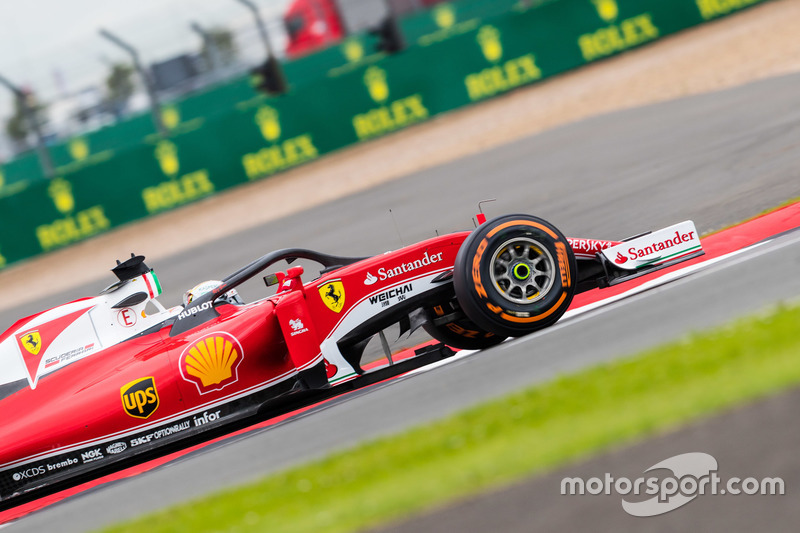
(352, 374)
(676, 255)
(147, 282)
(158, 283)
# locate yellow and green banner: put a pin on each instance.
(459, 53)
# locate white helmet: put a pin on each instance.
(231, 297)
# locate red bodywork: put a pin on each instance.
(311, 25)
(316, 24)
(159, 386)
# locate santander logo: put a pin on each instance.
(386, 273)
(330, 369)
(651, 248)
(655, 248)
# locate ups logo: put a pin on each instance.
(140, 397)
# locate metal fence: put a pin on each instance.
(65, 72)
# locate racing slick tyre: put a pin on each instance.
(459, 332)
(514, 274)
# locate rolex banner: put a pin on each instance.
(454, 58)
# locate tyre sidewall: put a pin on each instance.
(482, 301)
(462, 334)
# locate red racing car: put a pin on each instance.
(101, 382)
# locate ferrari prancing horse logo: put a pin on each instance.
(332, 294)
(32, 342)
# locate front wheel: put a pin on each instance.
(514, 275)
(446, 324)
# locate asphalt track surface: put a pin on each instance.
(757, 440)
(716, 159)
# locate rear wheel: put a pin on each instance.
(448, 325)
(514, 275)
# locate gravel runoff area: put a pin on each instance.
(756, 44)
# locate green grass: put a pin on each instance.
(506, 440)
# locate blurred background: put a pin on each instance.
(77, 81)
(114, 112)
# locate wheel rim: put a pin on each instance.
(522, 270)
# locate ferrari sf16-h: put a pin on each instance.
(101, 382)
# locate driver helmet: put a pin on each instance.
(231, 297)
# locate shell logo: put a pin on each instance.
(212, 362)
(489, 41)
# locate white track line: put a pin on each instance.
(661, 280)
(571, 315)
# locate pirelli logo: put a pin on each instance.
(563, 263)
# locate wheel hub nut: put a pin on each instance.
(521, 271)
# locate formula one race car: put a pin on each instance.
(94, 383)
